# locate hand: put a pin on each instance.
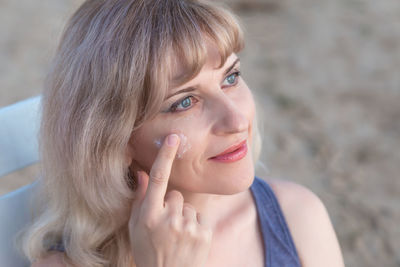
(165, 231)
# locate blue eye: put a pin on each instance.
(232, 79)
(183, 104)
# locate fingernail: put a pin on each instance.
(172, 140)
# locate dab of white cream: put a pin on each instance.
(184, 145)
(158, 142)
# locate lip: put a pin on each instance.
(234, 153)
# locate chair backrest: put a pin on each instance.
(19, 124)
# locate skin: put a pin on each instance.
(206, 207)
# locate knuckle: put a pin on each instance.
(175, 225)
(174, 194)
(157, 176)
(190, 228)
(149, 222)
(205, 234)
(189, 212)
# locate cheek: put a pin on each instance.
(187, 128)
(248, 103)
(151, 137)
(146, 143)
(184, 145)
(145, 151)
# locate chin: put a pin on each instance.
(236, 183)
(235, 179)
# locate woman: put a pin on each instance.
(148, 143)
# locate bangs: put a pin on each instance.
(194, 31)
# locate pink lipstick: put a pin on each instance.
(233, 153)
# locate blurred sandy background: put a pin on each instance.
(326, 74)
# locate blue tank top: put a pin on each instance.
(279, 249)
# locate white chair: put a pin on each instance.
(19, 124)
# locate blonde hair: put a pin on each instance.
(110, 73)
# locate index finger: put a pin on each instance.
(161, 171)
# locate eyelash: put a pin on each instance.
(173, 107)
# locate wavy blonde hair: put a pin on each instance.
(110, 74)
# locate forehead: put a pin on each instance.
(184, 69)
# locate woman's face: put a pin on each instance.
(211, 113)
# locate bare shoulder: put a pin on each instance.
(294, 198)
(55, 259)
(309, 224)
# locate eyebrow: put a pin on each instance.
(191, 88)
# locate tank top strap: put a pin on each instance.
(279, 247)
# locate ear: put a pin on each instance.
(129, 153)
(131, 160)
(129, 163)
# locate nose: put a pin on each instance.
(229, 117)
